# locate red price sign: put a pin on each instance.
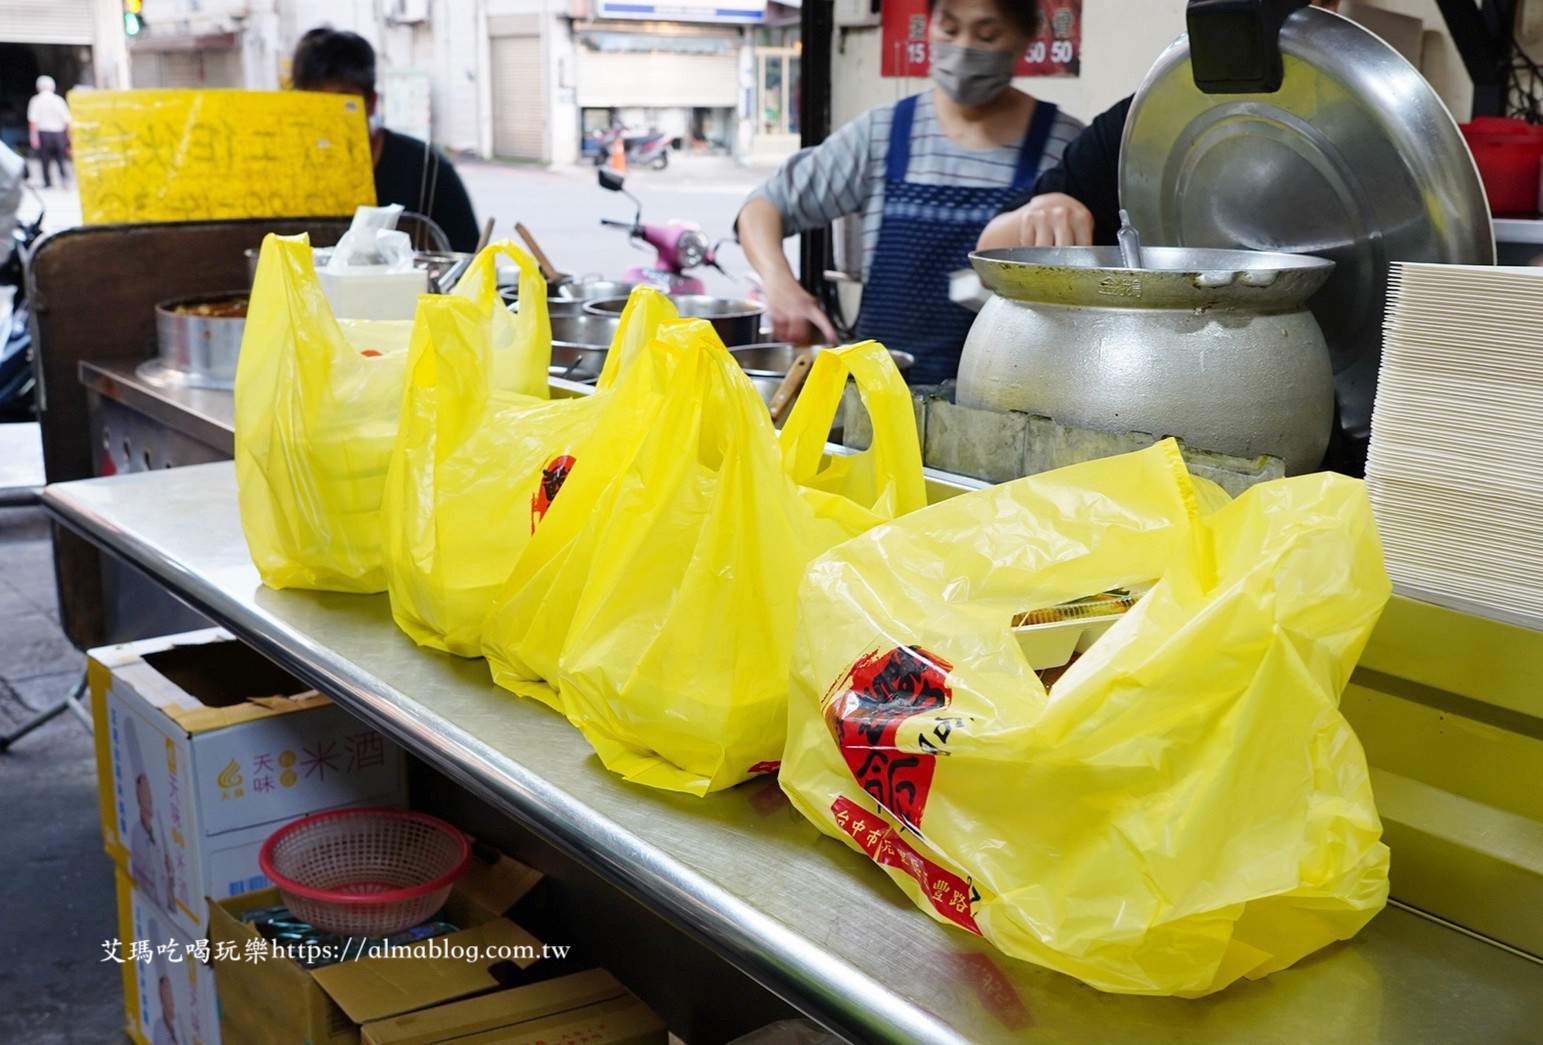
(1055, 51)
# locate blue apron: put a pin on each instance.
(927, 232)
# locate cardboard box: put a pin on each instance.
(589, 1007)
(277, 1002)
(168, 992)
(204, 748)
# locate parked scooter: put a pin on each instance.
(17, 382)
(679, 245)
(643, 150)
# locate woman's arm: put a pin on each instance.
(810, 190)
(793, 309)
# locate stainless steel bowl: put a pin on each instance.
(198, 351)
(737, 322)
(580, 344)
(597, 289)
(556, 308)
(585, 331)
(576, 362)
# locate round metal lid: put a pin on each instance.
(1355, 159)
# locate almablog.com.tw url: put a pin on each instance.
(312, 954)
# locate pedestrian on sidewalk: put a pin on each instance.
(48, 122)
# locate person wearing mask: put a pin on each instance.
(48, 125)
(1077, 203)
(925, 173)
(407, 171)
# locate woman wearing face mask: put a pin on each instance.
(925, 173)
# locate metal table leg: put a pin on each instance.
(74, 703)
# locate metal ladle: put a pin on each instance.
(1130, 241)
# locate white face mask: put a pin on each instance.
(972, 75)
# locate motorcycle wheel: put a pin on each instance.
(661, 161)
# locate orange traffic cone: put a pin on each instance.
(618, 157)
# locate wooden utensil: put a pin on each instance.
(794, 380)
(552, 274)
(486, 237)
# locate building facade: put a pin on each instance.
(531, 80)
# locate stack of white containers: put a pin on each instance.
(1457, 438)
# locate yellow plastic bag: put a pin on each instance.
(1185, 806)
(318, 404)
(655, 605)
(856, 491)
(475, 469)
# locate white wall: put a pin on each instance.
(1120, 41)
(1440, 62)
(109, 52)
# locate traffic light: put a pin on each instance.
(133, 20)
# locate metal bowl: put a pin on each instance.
(597, 289)
(199, 351)
(737, 322)
(580, 344)
(576, 362)
(585, 331)
(556, 308)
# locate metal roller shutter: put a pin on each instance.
(657, 80)
(186, 69)
(519, 99)
(46, 22)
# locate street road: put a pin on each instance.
(563, 206)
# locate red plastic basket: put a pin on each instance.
(365, 872)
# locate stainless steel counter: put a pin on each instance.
(741, 871)
(205, 415)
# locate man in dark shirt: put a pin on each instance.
(407, 171)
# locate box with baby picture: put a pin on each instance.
(169, 990)
(204, 748)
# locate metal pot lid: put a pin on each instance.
(1354, 159)
(1170, 277)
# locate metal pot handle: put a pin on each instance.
(1234, 45)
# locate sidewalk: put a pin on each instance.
(57, 891)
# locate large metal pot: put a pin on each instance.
(199, 340)
(1216, 347)
(737, 322)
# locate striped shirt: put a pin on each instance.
(844, 174)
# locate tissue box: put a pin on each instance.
(373, 292)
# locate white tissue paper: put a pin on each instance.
(371, 273)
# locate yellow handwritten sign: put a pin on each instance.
(144, 156)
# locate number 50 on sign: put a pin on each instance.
(1055, 51)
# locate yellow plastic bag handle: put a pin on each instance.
(886, 477)
(647, 310)
(449, 376)
(522, 341)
